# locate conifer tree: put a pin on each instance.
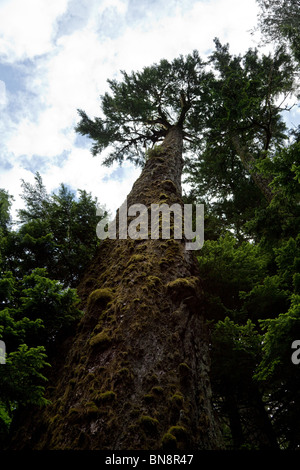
(137, 373)
(279, 22)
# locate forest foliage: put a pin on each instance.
(243, 163)
(42, 257)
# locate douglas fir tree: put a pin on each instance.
(136, 375)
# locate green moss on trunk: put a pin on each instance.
(141, 351)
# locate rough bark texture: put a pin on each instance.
(249, 163)
(136, 374)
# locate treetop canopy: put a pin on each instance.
(143, 106)
(224, 95)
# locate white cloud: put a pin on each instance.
(27, 27)
(71, 78)
(180, 33)
(3, 96)
(43, 137)
(78, 72)
(11, 181)
(73, 60)
(82, 171)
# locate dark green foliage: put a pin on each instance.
(35, 314)
(228, 268)
(22, 382)
(144, 105)
(22, 379)
(223, 106)
(38, 307)
(243, 126)
(5, 204)
(57, 232)
(279, 21)
(279, 220)
(280, 375)
(252, 302)
(246, 172)
(242, 164)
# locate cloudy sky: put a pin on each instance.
(56, 57)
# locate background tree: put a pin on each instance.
(244, 124)
(56, 232)
(148, 360)
(279, 22)
(5, 205)
(142, 338)
(252, 281)
(41, 258)
(35, 314)
(143, 107)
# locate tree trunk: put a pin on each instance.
(234, 420)
(136, 374)
(258, 427)
(249, 163)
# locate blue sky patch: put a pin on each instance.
(116, 175)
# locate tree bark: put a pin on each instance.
(249, 163)
(136, 374)
(258, 427)
(234, 420)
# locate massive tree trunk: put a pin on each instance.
(136, 374)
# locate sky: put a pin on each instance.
(56, 57)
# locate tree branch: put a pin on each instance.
(185, 106)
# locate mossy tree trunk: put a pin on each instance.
(136, 374)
